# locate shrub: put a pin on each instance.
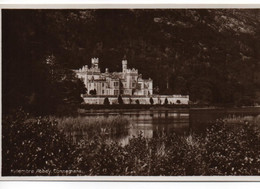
(120, 100)
(93, 92)
(106, 101)
(38, 143)
(142, 156)
(151, 101)
(166, 101)
(31, 144)
(232, 149)
(225, 150)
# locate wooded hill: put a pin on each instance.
(212, 55)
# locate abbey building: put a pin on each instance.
(127, 83)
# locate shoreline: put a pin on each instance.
(132, 107)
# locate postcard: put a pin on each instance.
(130, 93)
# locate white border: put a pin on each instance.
(127, 185)
(129, 2)
(136, 178)
(80, 4)
(127, 6)
(120, 4)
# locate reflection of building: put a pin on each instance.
(127, 82)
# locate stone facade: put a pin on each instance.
(126, 83)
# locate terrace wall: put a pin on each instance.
(157, 99)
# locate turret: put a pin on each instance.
(94, 62)
(124, 65)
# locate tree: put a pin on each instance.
(121, 87)
(62, 93)
(59, 93)
(151, 101)
(106, 101)
(38, 86)
(120, 100)
(93, 92)
(184, 51)
(166, 101)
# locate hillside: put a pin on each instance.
(212, 55)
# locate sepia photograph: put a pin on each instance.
(130, 92)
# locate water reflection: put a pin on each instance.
(155, 123)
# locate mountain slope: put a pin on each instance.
(211, 54)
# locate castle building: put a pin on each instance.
(127, 83)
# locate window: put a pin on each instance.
(116, 92)
(115, 84)
(103, 92)
(103, 84)
(133, 85)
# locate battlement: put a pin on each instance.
(108, 83)
(83, 69)
(133, 70)
(94, 60)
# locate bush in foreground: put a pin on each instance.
(232, 149)
(34, 146)
(224, 150)
(37, 144)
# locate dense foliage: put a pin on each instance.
(212, 55)
(34, 146)
(37, 147)
(223, 151)
(33, 76)
(232, 149)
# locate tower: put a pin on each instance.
(124, 65)
(94, 62)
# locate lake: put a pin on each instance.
(182, 121)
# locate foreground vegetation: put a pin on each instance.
(90, 127)
(37, 146)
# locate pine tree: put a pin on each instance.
(106, 101)
(166, 101)
(151, 101)
(120, 100)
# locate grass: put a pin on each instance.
(247, 120)
(93, 126)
